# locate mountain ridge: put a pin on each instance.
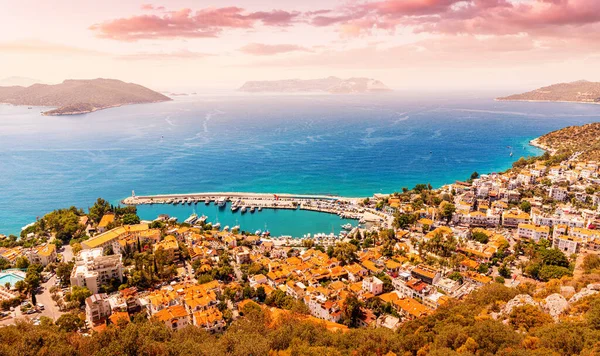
(581, 91)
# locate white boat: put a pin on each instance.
(235, 228)
(202, 219)
(347, 226)
(260, 208)
(252, 209)
(257, 232)
(226, 228)
(234, 208)
(221, 202)
(244, 208)
(207, 201)
(217, 225)
(192, 219)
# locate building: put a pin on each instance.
(174, 317)
(426, 273)
(567, 244)
(97, 308)
(514, 218)
(170, 247)
(110, 238)
(92, 269)
(532, 232)
(106, 220)
(372, 285)
(42, 255)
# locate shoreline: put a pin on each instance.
(548, 101)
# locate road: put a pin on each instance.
(67, 252)
(45, 298)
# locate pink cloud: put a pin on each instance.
(186, 23)
(259, 49)
(160, 56)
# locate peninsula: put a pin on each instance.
(333, 85)
(580, 91)
(73, 97)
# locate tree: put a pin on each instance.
(69, 322)
(351, 311)
(480, 237)
(261, 295)
(345, 252)
(447, 210)
(21, 262)
(474, 175)
(63, 271)
(525, 206)
(504, 271)
(526, 317)
(131, 219)
(554, 257)
(402, 221)
(98, 210)
(591, 262)
(79, 294)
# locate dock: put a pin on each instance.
(345, 207)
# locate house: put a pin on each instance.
(106, 220)
(92, 269)
(567, 244)
(170, 247)
(372, 285)
(513, 218)
(427, 274)
(410, 308)
(210, 320)
(533, 232)
(97, 308)
(42, 255)
(174, 317)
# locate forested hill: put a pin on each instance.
(584, 139)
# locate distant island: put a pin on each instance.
(73, 97)
(581, 91)
(332, 85)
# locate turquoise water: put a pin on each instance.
(10, 278)
(343, 145)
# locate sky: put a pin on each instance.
(408, 44)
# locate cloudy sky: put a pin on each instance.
(408, 44)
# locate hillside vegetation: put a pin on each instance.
(584, 139)
(465, 328)
(581, 91)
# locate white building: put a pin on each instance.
(97, 307)
(567, 244)
(92, 269)
(373, 285)
(533, 232)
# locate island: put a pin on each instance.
(581, 91)
(332, 85)
(73, 97)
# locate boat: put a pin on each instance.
(221, 202)
(189, 202)
(202, 219)
(347, 226)
(235, 228)
(252, 209)
(207, 201)
(226, 228)
(511, 154)
(257, 232)
(217, 226)
(234, 208)
(260, 208)
(192, 219)
(244, 208)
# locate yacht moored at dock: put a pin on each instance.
(222, 202)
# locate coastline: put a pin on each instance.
(536, 143)
(548, 101)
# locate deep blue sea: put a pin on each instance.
(321, 144)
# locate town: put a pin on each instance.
(86, 271)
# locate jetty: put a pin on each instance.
(345, 207)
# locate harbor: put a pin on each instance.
(288, 215)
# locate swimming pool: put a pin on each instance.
(11, 277)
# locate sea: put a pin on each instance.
(348, 145)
